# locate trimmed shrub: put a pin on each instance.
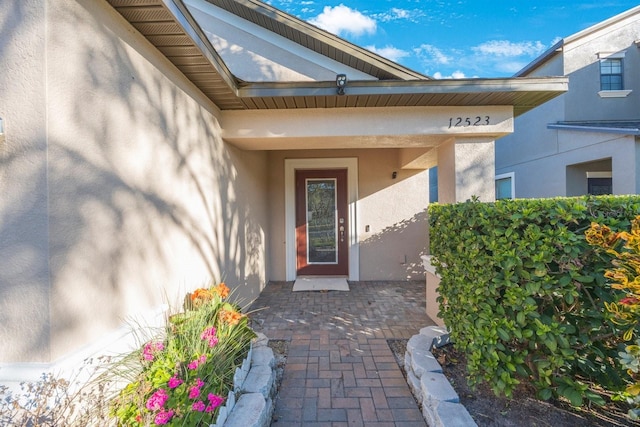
(523, 294)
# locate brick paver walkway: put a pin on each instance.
(340, 370)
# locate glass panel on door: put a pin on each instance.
(322, 235)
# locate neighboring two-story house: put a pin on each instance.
(586, 141)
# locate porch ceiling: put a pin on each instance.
(168, 25)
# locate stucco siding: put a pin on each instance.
(545, 161)
(547, 176)
(583, 68)
(531, 139)
(552, 67)
(393, 209)
(24, 267)
(145, 200)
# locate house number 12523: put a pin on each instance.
(456, 122)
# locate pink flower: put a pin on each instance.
(197, 362)
(163, 417)
(209, 335)
(157, 400)
(194, 391)
(150, 349)
(198, 406)
(174, 382)
(215, 400)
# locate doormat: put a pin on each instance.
(310, 283)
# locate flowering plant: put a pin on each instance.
(624, 277)
(182, 378)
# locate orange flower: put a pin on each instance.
(221, 290)
(202, 294)
(230, 317)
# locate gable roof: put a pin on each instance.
(317, 40)
(169, 26)
(559, 46)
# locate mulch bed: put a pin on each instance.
(523, 409)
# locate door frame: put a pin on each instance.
(290, 166)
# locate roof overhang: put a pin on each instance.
(168, 25)
(622, 128)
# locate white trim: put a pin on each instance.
(290, 166)
(604, 174)
(610, 55)
(69, 366)
(511, 175)
(614, 93)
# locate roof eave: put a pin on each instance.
(542, 59)
(597, 129)
(484, 89)
(405, 87)
(193, 30)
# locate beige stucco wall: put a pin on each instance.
(394, 210)
(122, 193)
(24, 267)
(463, 167)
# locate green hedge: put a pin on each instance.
(523, 293)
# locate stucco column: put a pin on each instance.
(466, 168)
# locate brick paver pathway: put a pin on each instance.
(340, 370)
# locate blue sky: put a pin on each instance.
(455, 39)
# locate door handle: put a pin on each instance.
(342, 233)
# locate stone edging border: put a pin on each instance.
(440, 403)
(251, 402)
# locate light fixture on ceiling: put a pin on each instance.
(341, 82)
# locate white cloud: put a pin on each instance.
(510, 49)
(455, 75)
(432, 55)
(344, 20)
(389, 52)
(395, 14)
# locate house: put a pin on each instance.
(150, 145)
(586, 141)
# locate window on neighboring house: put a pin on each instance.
(505, 188)
(611, 74)
(433, 185)
(599, 183)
